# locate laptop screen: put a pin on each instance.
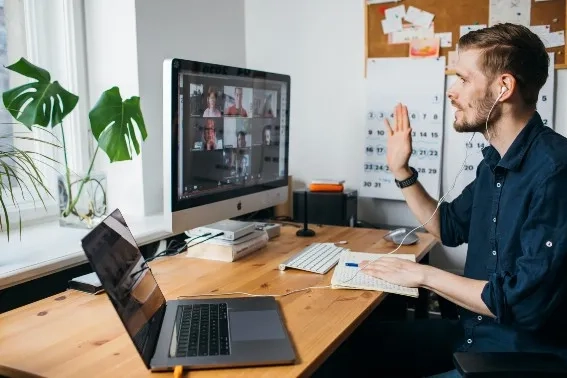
(126, 278)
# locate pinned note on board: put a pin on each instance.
(391, 25)
(398, 12)
(418, 16)
(424, 48)
(445, 39)
(410, 32)
(513, 11)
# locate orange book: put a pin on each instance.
(326, 187)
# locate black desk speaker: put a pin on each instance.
(336, 209)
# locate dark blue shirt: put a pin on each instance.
(514, 218)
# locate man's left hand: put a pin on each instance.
(395, 270)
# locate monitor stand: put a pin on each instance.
(305, 232)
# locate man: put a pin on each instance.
(513, 295)
(210, 135)
(237, 109)
(241, 139)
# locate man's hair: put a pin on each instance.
(513, 49)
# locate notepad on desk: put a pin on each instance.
(350, 277)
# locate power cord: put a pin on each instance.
(175, 247)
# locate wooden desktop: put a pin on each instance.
(79, 334)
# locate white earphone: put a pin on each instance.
(503, 89)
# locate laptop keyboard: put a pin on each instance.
(203, 330)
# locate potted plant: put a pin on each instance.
(117, 126)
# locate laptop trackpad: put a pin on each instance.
(255, 325)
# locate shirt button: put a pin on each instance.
(494, 253)
(549, 244)
(494, 220)
(498, 185)
(479, 317)
(469, 341)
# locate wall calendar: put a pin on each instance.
(420, 85)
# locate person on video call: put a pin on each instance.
(513, 215)
(241, 139)
(267, 134)
(210, 135)
(237, 109)
(212, 110)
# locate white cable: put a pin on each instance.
(360, 268)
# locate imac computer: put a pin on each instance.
(226, 142)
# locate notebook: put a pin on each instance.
(348, 277)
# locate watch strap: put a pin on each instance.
(409, 181)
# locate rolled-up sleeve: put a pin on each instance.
(455, 218)
(528, 296)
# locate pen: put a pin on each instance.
(178, 371)
(351, 264)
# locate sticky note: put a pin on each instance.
(395, 12)
(446, 39)
(418, 16)
(391, 25)
(424, 48)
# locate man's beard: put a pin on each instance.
(478, 123)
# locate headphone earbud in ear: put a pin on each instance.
(503, 89)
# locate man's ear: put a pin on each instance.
(507, 86)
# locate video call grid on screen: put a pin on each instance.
(231, 132)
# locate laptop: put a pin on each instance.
(194, 333)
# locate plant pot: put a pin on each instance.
(82, 200)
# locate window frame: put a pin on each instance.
(59, 27)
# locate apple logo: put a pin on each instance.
(239, 206)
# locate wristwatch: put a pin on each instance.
(409, 181)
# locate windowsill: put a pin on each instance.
(48, 248)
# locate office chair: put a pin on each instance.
(504, 364)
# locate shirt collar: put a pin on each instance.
(514, 156)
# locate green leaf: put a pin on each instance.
(41, 102)
(114, 125)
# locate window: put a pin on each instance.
(48, 34)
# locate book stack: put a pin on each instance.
(325, 185)
(227, 250)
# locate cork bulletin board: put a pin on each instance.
(449, 16)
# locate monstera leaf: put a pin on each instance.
(114, 124)
(40, 102)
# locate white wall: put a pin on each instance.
(320, 43)
(127, 41)
(210, 31)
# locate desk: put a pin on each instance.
(78, 334)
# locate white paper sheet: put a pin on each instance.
(396, 12)
(554, 39)
(464, 29)
(410, 32)
(514, 11)
(419, 17)
(446, 39)
(424, 95)
(391, 25)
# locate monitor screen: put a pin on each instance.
(230, 132)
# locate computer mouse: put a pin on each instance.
(397, 236)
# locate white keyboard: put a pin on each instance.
(316, 258)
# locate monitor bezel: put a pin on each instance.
(198, 67)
